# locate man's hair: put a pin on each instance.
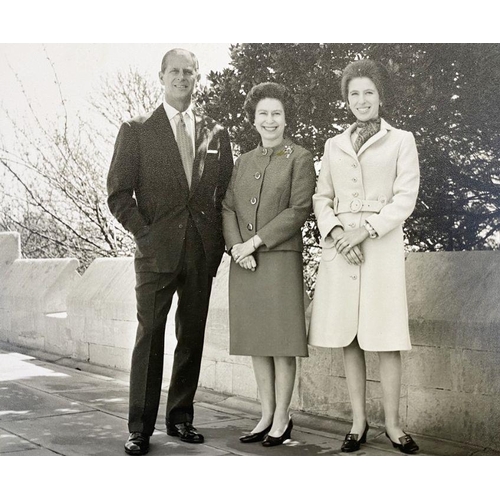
(172, 52)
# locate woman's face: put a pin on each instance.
(270, 121)
(363, 98)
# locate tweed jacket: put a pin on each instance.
(149, 195)
(270, 194)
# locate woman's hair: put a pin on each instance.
(268, 90)
(373, 70)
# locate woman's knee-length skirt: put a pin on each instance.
(266, 306)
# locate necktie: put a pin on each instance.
(365, 131)
(185, 147)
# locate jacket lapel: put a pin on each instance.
(384, 128)
(344, 141)
(168, 145)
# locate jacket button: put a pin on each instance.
(354, 179)
(354, 165)
(257, 175)
(253, 201)
(354, 277)
(356, 194)
(250, 226)
(180, 226)
(352, 224)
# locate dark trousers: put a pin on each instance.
(154, 293)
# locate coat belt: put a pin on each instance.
(356, 205)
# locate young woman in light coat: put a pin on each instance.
(367, 187)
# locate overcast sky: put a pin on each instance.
(80, 67)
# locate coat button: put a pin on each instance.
(352, 224)
(180, 226)
(354, 277)
(354, 179)
(250, 226)
(253, 201)
(257, 175)
(354, 165)
(356, 194)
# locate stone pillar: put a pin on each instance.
(10, 248)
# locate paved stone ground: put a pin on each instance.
(60, 407)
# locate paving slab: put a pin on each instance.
(16, 366)
(113, 400)
(10, 444)
(67, 379)
(20, 402)
(161, 444)
(90, 433)
(37, 452)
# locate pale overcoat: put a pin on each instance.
(379, 185)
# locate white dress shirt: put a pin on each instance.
(188, 117)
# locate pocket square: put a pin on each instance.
(212, 151)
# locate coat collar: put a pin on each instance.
(344, 140)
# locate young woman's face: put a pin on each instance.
(270, 121)
(363, 98)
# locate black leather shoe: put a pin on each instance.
(137, 444)
(351, 442)
(275, 441)
(406, 444)
(255, 437)
(186, 432)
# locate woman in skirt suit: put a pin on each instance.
(367, 187)
(268, 200)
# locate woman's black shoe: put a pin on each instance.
(406, 444)
(275, 441)
(254, 437)
(351, 442)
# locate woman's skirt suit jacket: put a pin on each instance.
(379, 185)
(270, 195)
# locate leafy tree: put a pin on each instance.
(439, 95)
(445, 94)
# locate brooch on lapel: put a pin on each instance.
(287, 150)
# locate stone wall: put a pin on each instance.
(451, 377)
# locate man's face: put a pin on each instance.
(179, 78)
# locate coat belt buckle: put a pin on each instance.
(355, 205)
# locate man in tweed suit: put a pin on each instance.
(168, 176)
